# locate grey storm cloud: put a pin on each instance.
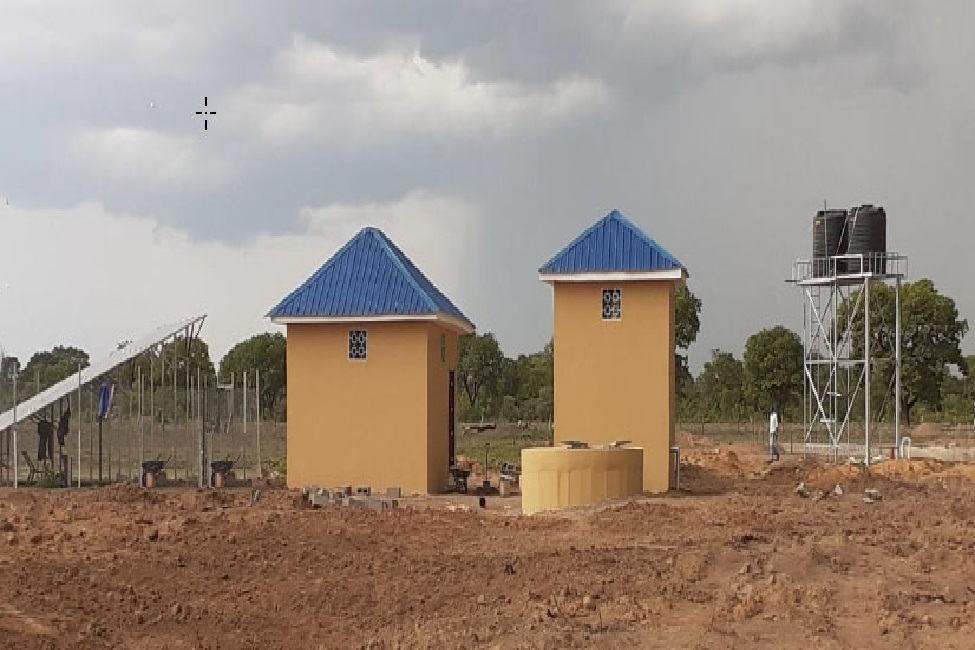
(487, 134)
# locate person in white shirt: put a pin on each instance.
(773, 434)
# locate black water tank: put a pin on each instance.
(829, 239)
(867, 230)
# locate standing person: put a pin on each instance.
(773, 434)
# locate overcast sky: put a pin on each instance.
(481, 136)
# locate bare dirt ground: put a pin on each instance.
(736, 560)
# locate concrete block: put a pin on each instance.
(346, 490)
(393, 493)
(363, 491)
(374, 504)
(319, 498)
(504, 488)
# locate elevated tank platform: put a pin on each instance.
(835, 269)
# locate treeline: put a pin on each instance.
(935, 379)
(494, 386)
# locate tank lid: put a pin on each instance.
(575, 444)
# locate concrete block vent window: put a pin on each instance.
(612, 304)
(357, 345)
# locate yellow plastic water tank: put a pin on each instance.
(561, 477)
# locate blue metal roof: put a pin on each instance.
(368, 276)
(612, 244)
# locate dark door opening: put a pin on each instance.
(450, 422)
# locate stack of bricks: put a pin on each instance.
(363, 498)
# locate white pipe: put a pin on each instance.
(906, 443)
(675, 453)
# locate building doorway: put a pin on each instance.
(451, 435)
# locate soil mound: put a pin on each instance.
(126, 493)
(912, 469)
(827, 476)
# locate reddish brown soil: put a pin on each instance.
(737, 560)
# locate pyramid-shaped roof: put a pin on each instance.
(368, 277)
(613, 245)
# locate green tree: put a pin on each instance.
(8, 364)
(772, 365)
(721, 387)
(479, 368)
(267, 353)
(687, 318)
(49, 367)
(931, 335)
(687, 324)
(536, 393)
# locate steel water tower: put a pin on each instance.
(849, 257)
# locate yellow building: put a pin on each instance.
(614, 342)
(372, 352)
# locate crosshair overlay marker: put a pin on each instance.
(205, 113)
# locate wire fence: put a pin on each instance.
(186, 429)
(792, 435)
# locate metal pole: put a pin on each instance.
(129, 430)
(13, 428)
(79, 423)
(866, 371)
(897, 367)
(200, 414)
(244, 441)
(152, 401)
(188, 410)
(216, 408)
(257, 394)
(806, 373)
(833, 386)
(3, 434)
(91, 442)
(142, 429)
(4, 448)
(100, 477)
(175, 408)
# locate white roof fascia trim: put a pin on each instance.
(386, 318)
(614, 276)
